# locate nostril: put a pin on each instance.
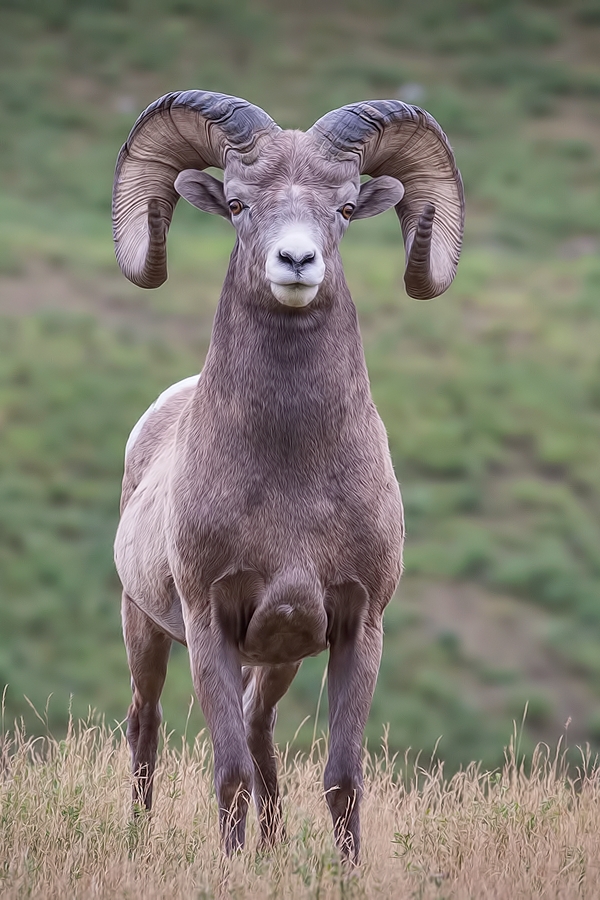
(296, 260)
(308, 257)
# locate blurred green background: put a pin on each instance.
(491, 394)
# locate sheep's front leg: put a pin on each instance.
(354, 660)
(217, 676)
(263, 689)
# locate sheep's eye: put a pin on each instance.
(235, 207)
(347, 209)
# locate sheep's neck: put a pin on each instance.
(298, 377)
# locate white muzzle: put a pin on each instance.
(295, 267)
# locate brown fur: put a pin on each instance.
(261, 518)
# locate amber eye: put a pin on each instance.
(235, 207)
(347, 209)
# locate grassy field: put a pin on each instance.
(517, 832)
(491, 394)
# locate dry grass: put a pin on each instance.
(65, 829)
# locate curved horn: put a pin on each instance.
(183, 130)
(393, 138)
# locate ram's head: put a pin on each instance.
(289, 194)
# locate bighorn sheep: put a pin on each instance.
(261, 518)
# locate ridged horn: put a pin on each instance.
(393, 138)
(182, 130)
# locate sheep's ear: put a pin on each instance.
(377, 195)
(203, 191)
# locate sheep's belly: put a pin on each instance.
(141, 560)
(284, 634)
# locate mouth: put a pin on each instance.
(296, 294)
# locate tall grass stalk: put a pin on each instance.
(65, 828)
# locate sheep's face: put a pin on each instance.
(290, 210)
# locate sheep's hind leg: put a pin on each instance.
(263, 688)
(148, 654)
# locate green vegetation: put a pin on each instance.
(491, 395)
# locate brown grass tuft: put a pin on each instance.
(65, 830)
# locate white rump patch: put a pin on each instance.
(192, 381)
(248, 696)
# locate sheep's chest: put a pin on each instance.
(344, 528)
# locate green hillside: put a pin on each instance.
(491, 394)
